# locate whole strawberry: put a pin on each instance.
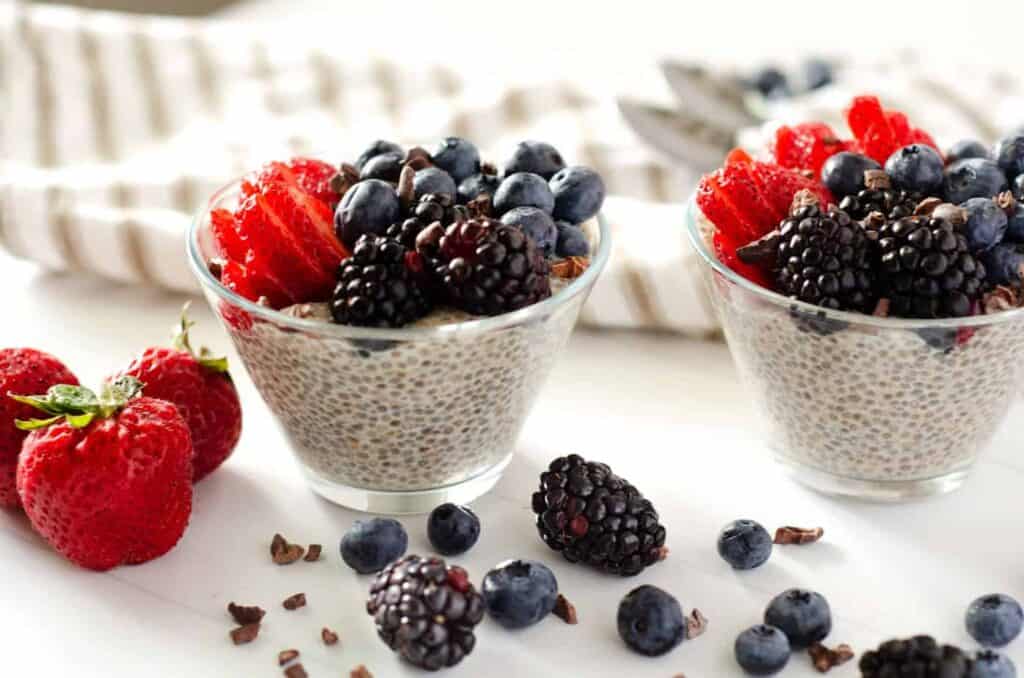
(106, 479)
(22, 370)
(200, 386)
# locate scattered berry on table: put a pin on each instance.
(433, 180)
(426, 610)
(744, 544)
(762, 650)
(917, 656)
(917, 168)
(474, 186)
(804, 616)
(535, 157)
(973, 178)
(1004, 264)
(989, 664)
(966, 148)
(817, 73)
(371, 544)
(453, 529)
(579, 194)
(485, 267)
(994, 620)
(378, 147)
(535, 223)
(593, 516)
(106, 479)
(200, 386)
(458, 157)
(386, 167)
(843, 173)
(22, 370)
(651, 621)
(369, 207)
(572, 241)
(986, 223)
(519, 593)
(1009, 155)
(377, 286)
(771, 82)
(523, 189)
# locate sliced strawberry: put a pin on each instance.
(225, 234)
(742, 191)
(312, 222)
(308, 174)
(919, 136)
(806, 146)
(781, 184)
(725, 250)
(717, 209)
(900, 127)
(738, 155)
(248, 282)
(870, 125)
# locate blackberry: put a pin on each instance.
(425, 211)
(379, 286)
(879, 196)
(425, 610)
(483, 266)
(595, 517)
(926, 269)
(824, 258)
(920, 657)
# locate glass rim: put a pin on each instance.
(479, 325)
(697, 240)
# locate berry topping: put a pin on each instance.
(989, 664)
(804, 616)
(762, 650)
(572, 241)
(1009, 155)
(843, 173)
(986, 223)
(369, 207)
(916, 168)
(1004, 264)
(523, 189)
(371, 544)
(967, 148)
(378, 147)
(519, 593)
(477, 185)
(535, 223)
(579, 193)
(973, 178)
(994, 620)
(650, 621)
(309, 175)
(745, 544)
(433, 180)
(386, 167)
(453, 529)
(806, 146)
(535, 157)
(458, 157)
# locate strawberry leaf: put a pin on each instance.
(33, 424)
(205, 357)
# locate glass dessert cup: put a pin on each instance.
(886, 409)
(397, 420)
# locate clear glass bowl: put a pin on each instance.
(877, 408)
(397, 420)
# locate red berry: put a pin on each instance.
(778, 186)
(725, 250)
(718, 205)
(310, 175)
(806, 146)
(880, 133)
(230, 244)
(738, 155)
(22, 370)
(458, 579)
(254, 284)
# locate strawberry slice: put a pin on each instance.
(779, 185)
(919, 136)
(806, 146)
(738, 184)
(871, 126)
(229, 243)
(312, 223)
(719, 208)
(725, 250)
(900, 127)
(738, 155)
(248, 282)
(310, 175)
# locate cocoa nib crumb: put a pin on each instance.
(286, 656)
(360, 672)
(877, 180)
(246, 614)
(216, 267)
(313, 553)
(418, 158)
(346, 178)
(798, 535)
(1003, 298)
(565, 610)
(570, 267)
(662, 553)
(295, 602)
(284, 553)
(762, 252)
(697, 625)
(825, 659)
(245, 633)
(328, 636)
(927, 206)
(296, 671)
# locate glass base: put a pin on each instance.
(399, 502)
(874, 490)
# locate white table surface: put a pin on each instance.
(664, 412)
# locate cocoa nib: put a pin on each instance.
(697, 625)
(245, 634)
(927, 206)
(313, 553)
(565, 610)
(294, 602)
(762, 252)
(285, 656)
(406, 193)
(360, 672)
(346, 178)
(825, 659)
(662, 553)
(798, 535)
(418, 158)
(328, 636)
(246, 614)
(296, 671)
(1003, 298)
(570, 267)
(284, 553)
(877, 180)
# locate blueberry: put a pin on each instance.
(973, 178)
(433, 180)
(804, 616)
(651, 621)
(762, 650)
(371, 544)
(917, 167)
(843, 173)
(572, 241)
(1009, 155)
(986, 223)
(989, 664)
(994, 620)
(771, 83)
(519, 593)
(1018, 187)
(1015, 223)
(378, 147)
(579, 194)
(523, 189)
(744, 544)
(535, 157)
(453, 529)
(966, 148)
(370, 206)
(475, 185)
(536, 224)
(1003, 264)
(386, 167)
(458, 157)
(817, 73)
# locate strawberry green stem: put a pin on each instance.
(77, 405)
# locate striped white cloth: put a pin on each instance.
(116, 128)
